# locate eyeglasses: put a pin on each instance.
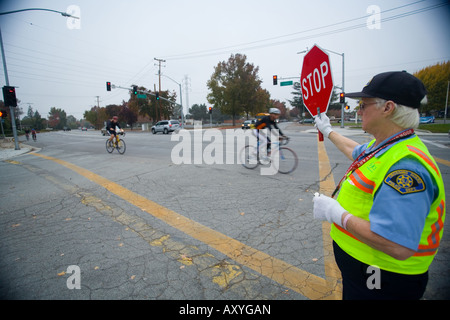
(363, 105)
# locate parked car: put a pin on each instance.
(66, 129)
(427, 119)
(307, 120)
(247, 124)
(166, 126)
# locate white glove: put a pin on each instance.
(326, 208)
(323, 124)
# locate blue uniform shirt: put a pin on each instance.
(396, 216)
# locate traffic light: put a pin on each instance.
(342, 97)
(275, 80)
(210, 110)
(1, 114)
(108, 86)
(157, 95)
(135, 90)
(9, 96)
(347, 108)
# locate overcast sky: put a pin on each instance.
(56, 62)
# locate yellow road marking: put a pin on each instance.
(442, 161)
(327, 185)
(305, 283)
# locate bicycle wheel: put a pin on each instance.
(288, 160)
(249, 157)
(109, 146)
(121, 147)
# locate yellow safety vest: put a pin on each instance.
(356, 197)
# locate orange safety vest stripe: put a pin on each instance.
(427, 159)
(361, 182)
(434, 238)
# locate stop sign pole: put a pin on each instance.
(316, 82)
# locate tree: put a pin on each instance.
(198, 112)
(127, 115)
(236, 88)
(112, 110)
(57, 118)
(149, 106)
(435, 78)
(297, 101)
(71, 122)
(38, 122)
(96, 116)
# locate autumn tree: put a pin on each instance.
(128, 115)
(435, 78)
(235, 88)
(57, 118)
(96, 116)
(112, 110)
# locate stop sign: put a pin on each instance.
(316, 80)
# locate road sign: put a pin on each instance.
(316, 80)
(286, 83)
(142, 96)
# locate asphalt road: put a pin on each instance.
(138, 226)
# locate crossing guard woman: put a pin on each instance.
(390, 210)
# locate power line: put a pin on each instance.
(242, 46)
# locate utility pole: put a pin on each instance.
(186, 83)
(156, 109)
(159, 76)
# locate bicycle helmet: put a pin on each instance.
(274, 111)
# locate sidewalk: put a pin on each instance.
(8, 151)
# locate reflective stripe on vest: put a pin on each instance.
(361, 182)
(434, 238)
(426, 158)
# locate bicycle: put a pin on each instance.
(119, 144)
(288, 160)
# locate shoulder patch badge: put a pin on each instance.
(405, 181)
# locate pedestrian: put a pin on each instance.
(389, 214)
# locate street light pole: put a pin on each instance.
(181, 100)
(11, 108)
(343, 90)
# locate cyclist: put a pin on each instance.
(111, 128)
(33, 134)
(270, 123)
(27, 133)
